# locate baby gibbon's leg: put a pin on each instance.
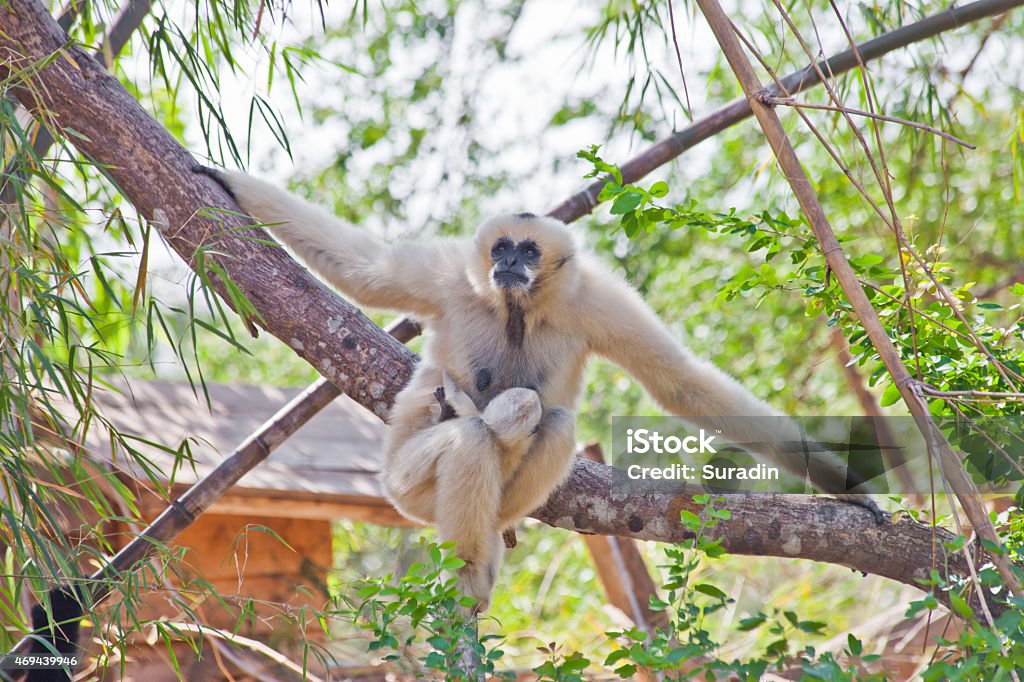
(543, 468)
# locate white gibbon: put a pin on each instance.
(512, 316)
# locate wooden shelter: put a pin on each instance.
(276, 521)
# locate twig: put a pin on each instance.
(679, 58)
(790, 102)
(988, 395)
(253, 644)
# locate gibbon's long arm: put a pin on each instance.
(623, 329)
(399, 276)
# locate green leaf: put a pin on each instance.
(710, 590)
(626, 671)
(961, 606)
(867, 260)
(747, 624)
(854, 644)
(659, 189)
(626, 202)
(689, 519)
(891, 396)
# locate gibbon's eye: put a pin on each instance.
(530, 251)
(500, 248)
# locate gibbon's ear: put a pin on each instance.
(58, 628)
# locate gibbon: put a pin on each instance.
(512, 316)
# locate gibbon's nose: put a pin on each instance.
(511, 261)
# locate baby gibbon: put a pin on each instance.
(512, 315)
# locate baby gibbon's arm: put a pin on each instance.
(401, 276)
(621, 328)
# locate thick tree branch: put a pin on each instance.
(789, 526)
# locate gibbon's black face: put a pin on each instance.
(514, 262)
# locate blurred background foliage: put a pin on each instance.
(414, 119)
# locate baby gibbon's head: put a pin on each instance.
(524, 256)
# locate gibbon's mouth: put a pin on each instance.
(510, 280)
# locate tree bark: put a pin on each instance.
(74, 93)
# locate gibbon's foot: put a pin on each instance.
(865, 502)
(217, 176)
(509, 537)
(58, 627)
(447, 411)
(477, 580)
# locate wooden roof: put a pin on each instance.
(327, 469)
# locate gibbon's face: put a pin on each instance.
(523, 254)
(514, 263)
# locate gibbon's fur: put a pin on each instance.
(512, 316)
(59, 629)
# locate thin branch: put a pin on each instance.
(791, 102)
(987, 395)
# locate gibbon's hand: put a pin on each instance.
(217, 176)
(862, 500)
